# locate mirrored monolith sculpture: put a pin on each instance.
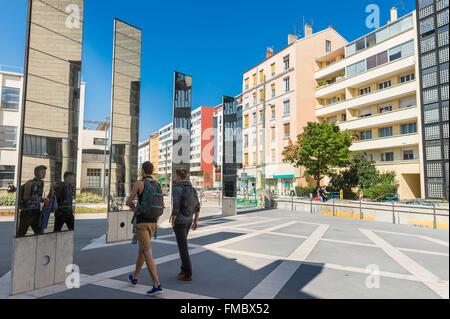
(125, 111)
(48, 145)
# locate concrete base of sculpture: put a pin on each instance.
(41, 261)
(229, 207)
(120, 227)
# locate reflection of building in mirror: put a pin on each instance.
(48, 161)
(123, 166)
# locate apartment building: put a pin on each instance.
(202, 147)
(11, 83)
(93, 171)
(369, 87)
(432, 67)
(278, 102)
(143, 152)
(165, 154)
(154, 151)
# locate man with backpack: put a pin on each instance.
(185, 212)
(64, 193)
(31, 194)
(146, 214)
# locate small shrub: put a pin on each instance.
(89, 198)
(8, 200)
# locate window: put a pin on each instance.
(274, 92)
(246, 121)
(343, 117)
(247, 84)
(287, 130)
(408, 102)
(261, 96)
(365, 135)
(254, 119)
(254, 79)
(407, 78)
(287, 84)
(8, 136)
(385, 132)
(246, 140)
(377, 60)
(428, 60)
(365, 113)
(261, 76)
(273, 69)
(246, 159)
(274, 156)
(384, 85)
(443, 36)
(366, 90)
(255, 99)
(328, 46)
(426, 25)
(408, 155)
(6, 175)
(409, 128)
(94, 177)
(273, 134)
(430, 96)
(261, 117)
(356, 68)
(10, 98)
(273, 113)
(287, 108)
(385, 108)
(100, 141)
(286, 62)
(432, 132)
(430, 77)
(387, 157)
(401, 51)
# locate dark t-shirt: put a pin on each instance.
(143, 220)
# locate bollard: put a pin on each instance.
(361, 216)
(311, 204)
(292, 199)
(434, 217)
(393, 212)
(334, 208)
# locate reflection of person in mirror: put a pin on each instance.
(64, 193)
(11, 189)
(31, 203)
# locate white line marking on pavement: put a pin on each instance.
(5, 285)
(429, 279)
(142, 290)
(436, 241)
(275, 281)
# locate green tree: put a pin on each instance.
(321, 148)
(361, 172)
(385, 187)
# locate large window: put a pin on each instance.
(365, 135)
(287, 84)
(401, 51)
(8, 136)
(6, 175)
(287, 108)
(10, 98)
(409, 128)
(94, 178)
(286, 62)
(385, 132)
(287, 130)
(387, 157)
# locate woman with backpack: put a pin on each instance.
(146, 214)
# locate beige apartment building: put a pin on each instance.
(278, 102)
(154, 151)
(369, 87)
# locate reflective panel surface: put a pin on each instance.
(181, 155)
(49, 139)
(125, 113)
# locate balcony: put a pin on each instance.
(370, 76)
(387, 118)
(385, 143)
(377, 97)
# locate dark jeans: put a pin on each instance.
(62, 218)
(181, 233)
(29, 218)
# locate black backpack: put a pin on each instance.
(152, 203)
(189, 201)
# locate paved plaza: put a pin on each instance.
(263, 255)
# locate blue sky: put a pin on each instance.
(214, 41)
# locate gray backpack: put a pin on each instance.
(190, 204)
